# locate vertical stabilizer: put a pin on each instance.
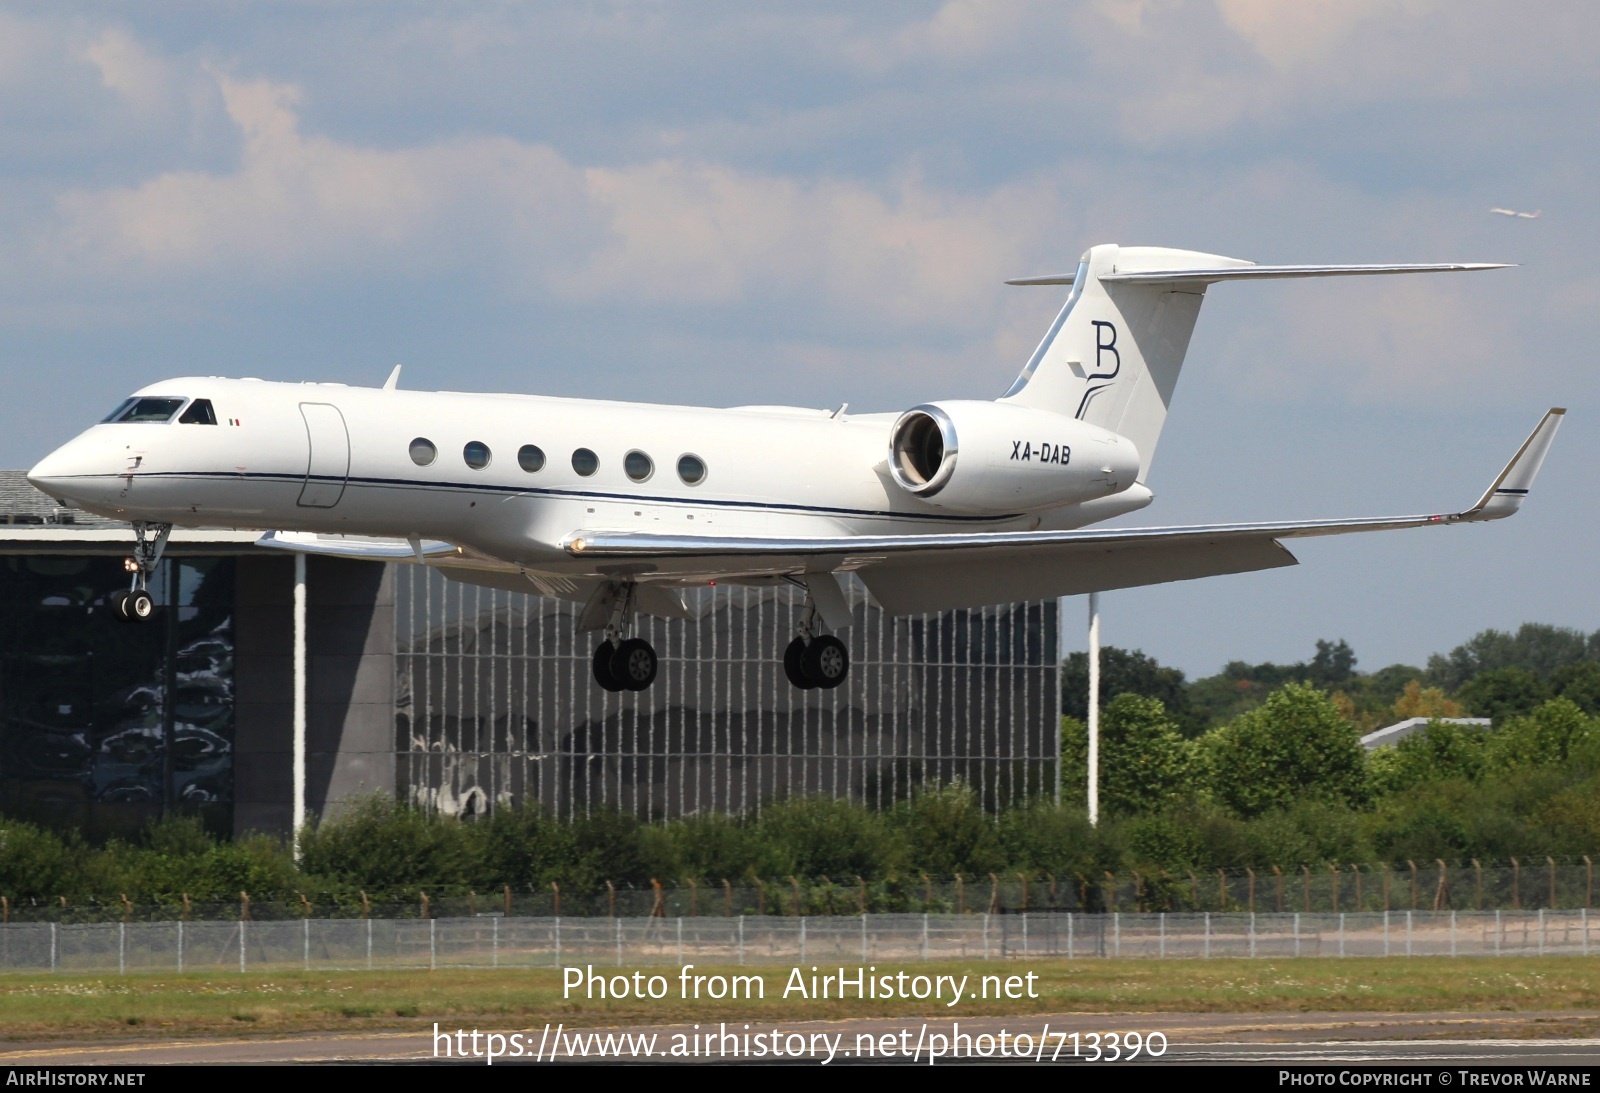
(1113, 354)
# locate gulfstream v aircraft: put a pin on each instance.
(622, 506)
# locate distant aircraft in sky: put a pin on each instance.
(1513, 212)
(622, 506)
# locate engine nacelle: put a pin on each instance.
(990, 458)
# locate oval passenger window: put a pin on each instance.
(638, 466)
(476, 453)
(692, 469)
(530, 457)
(585, 462)
(423, 452)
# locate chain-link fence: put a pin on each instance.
(492, 941)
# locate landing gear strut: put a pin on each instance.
(624, 664)
(815, 660)
(136, 604)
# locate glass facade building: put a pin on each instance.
(495, 704)
(103, 725)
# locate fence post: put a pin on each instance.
(180, 946)
(53, 946)
(243, 925)
(1208, 932)
(1277, 875)
(556, 910)
(305, 939)
(1441, 895)
(1116, 933)
(611, 899)
(369, 942)
(1516, 885)
(861, 893)
(1552, 863)
(508, 901)
(741, 938)
(122, 947)
(925, 935)
(433, 944)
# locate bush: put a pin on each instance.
(1294, 746)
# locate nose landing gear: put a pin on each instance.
(815, 660)
(136, 604)
(624, 664)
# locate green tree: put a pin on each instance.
(1294, 746)
(1124, 671)
(1144, 763)
(1500, 693)
(1535, 647)
(1579, 683)
(1441, 750)
(1555, 734)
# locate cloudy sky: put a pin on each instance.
(746, 202)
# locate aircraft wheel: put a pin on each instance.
(119, 606)
(138, 607)
(633, 665)
(791, 664)
(602, 667)
(826, 662)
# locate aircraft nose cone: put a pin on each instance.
(61, 473)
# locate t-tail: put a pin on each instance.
(1113, 354)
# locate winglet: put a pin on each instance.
(1505, 495)
(393, 381)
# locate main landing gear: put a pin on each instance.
(815, 660)
(136, 605)
(812, 661)
(624, 664)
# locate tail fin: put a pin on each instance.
(1113, 354)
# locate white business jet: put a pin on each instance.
(622, 506)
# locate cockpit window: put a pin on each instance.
(121, 406)
(199, 413)
(158, 410)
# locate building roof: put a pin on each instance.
(1402, 729)
(33, 523)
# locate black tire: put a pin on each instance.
(602, 667)
(634, 665)
(119, 606)
(791, 664)
(139, 606)
(826, 662)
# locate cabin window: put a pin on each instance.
(423, 452)
(530, 457)
(585, 462)
(476, 454)
(638, 465)
(692, 469)
(199, 413)
(147, 410)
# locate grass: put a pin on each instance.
(34, 1007)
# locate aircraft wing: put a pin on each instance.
(914, 573)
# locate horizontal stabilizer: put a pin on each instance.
(1256, 273)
